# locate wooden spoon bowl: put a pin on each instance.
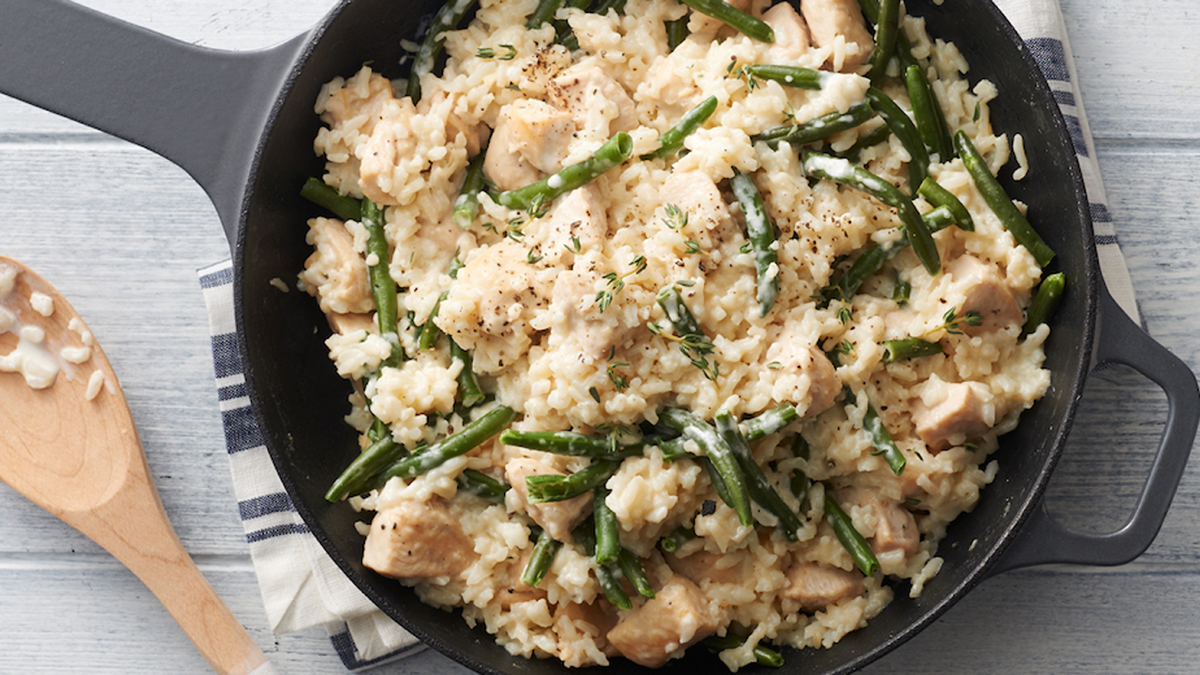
(71, 447)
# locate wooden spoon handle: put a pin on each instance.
(134, 527)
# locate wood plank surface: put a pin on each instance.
(121, 232)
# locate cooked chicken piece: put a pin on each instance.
(669, 91)
(895, 527)
(417, 539)
(985, 293)
(788, 355)
(791, 35)
(494, 298)
(964, 411)
(556, 518)
(676, 618)
(697, 194)
(578, 216)
(574, 297)
(701, 23)
(335, 272)
(391, 141)
(531, 138)
(348, 323)
(729, 568)
(592, 96)
(816, 586)
(512, 588)
(827, 19)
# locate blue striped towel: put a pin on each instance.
(301, 587)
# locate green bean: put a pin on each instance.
(429, 332)
(799, 483)
(999, 201)
(682, 320)
(909, 348)
(608, 537)
(1042, 307)
(532, 197)
(881, 438)
(611, 587)
(677, 32)
(678, 537)
(470, 393)
(901, 289)
(769, 422)
(744, 23)
(763, 656)
(906, 131)
(466, 206)
(672, 139)
(763, 239)
(383, 287)
(789, 76)
(939, 196)
(542, 13)
(717, 451)
(714, 477)
(327, 196)
(758, 486)
(820, 165)
(887, 24)
(672, 449)
(482, 485)
(465, 440)
(355, 479)
(850, 538)
(816, 129)
(603, 6)
(928, 114)
(634, 573)
(541, 559)
(571, 444)
(446, 19)
(554, 488)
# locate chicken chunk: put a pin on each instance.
(343, 324)
(490, 306)
(597, 102)
(815, 586)
(357, 103)
(661, 629)
(806, 370)
(417, 539)
(531, 138)
(335, 272)
(391, 141)
(829, 19)
(556, 518)
(791, 35)
(985, 293)
(697, 194)
(578, 221)
(716, 568)
(895, 527)
(963, 410)
(585, 328)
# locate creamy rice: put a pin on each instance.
(524, 302)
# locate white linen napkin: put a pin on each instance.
(302, 587)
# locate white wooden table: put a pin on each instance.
(121, 232)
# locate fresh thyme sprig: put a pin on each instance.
(675, 218)
(953, 323)
(616, 283)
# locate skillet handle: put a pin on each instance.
(1043, 539)
(201, 108)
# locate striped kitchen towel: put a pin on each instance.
(301, 587)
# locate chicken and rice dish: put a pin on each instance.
(669, 329)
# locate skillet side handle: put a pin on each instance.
(201, 108)
(1045, 540)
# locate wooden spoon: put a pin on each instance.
(72, 449)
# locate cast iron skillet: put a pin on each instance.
(242, 125)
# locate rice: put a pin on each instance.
(522, 293)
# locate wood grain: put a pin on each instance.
(74, 195)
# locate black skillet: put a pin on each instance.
(242, 125)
